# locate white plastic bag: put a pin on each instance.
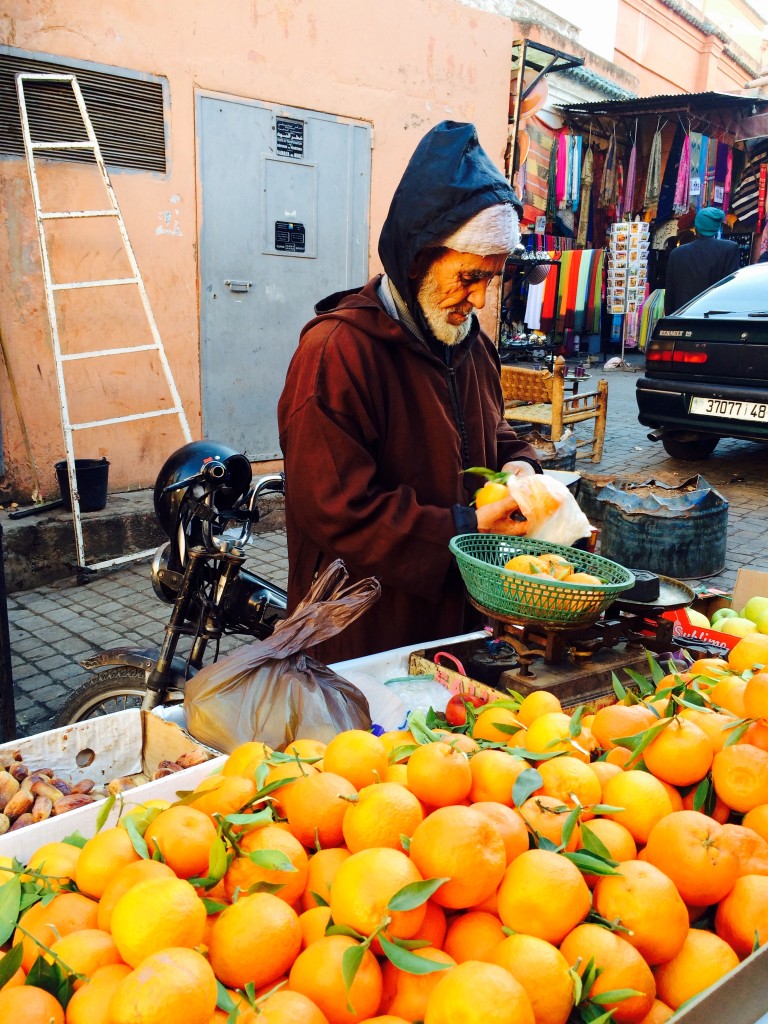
(551, 511)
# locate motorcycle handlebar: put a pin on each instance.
(210, 471)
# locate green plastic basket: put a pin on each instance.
(521, 598)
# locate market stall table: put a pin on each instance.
(574, 380)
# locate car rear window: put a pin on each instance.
(739, 294)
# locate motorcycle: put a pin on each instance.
(207, 505)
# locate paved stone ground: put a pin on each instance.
(54, 627)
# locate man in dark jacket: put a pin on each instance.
(393, 393)
(693, 267)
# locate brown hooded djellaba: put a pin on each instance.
(378, 425)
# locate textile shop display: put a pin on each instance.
(547, 243)
(745, 201)
(651, 311)
(572, 299)
(638, 181)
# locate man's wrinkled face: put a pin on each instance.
(455, 284)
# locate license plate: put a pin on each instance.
(723, 408)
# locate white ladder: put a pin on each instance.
(51, 287)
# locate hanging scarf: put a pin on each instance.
(653, 181)
(607, 196)
(703, 170)
(628, 202)
(597, 229)
(694, 159)
(728, 182)
(551, 209)
(709, 177)
(669, 178)
(680, 202)
(721, 172)
(586, 196)
(562, 167)
(619, 186)
(574, 172)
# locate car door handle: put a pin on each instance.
(239, 286)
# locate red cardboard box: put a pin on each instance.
(685, 630)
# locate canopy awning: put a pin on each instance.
(740, 115)
(537, 60)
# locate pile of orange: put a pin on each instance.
(535, 868)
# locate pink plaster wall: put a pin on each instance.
(668, 54)
(401, 66)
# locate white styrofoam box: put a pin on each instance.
(387, 710)
(391, 664)
(123, 743)
(23, 843)
(127, 743)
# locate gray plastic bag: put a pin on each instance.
(271, 690)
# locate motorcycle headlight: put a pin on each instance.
(164, 582)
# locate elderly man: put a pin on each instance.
(693, 267)
(394, 393)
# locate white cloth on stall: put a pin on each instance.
(533, 306)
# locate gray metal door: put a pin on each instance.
(285, 196)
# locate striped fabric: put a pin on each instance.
(537, 168)
(650, 311)
(744, 202)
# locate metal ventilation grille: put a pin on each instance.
(127, 114)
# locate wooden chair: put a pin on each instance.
(538, 396)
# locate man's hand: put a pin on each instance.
(518, 469)
(496, 517)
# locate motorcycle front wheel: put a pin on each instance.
(116, 688)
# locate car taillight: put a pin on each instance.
(689, 357)
(659, 351)
(664, 351)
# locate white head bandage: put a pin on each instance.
(495, 229)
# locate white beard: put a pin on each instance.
(428, 298)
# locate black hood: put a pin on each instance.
(448, 180)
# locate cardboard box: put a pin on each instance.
(453, 679)
(709, 599)
(684, 630)
(741, 997)
(749, 583)
(127, 743)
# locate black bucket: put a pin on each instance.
(551, 456)
(92, 476)
(683, 536)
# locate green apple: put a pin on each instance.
(754, 608)
(697, 618)
(724, 613)
(762, 623)
(737, 626)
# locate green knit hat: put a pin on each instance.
(708, 221)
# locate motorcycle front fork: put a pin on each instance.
(160, 677)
